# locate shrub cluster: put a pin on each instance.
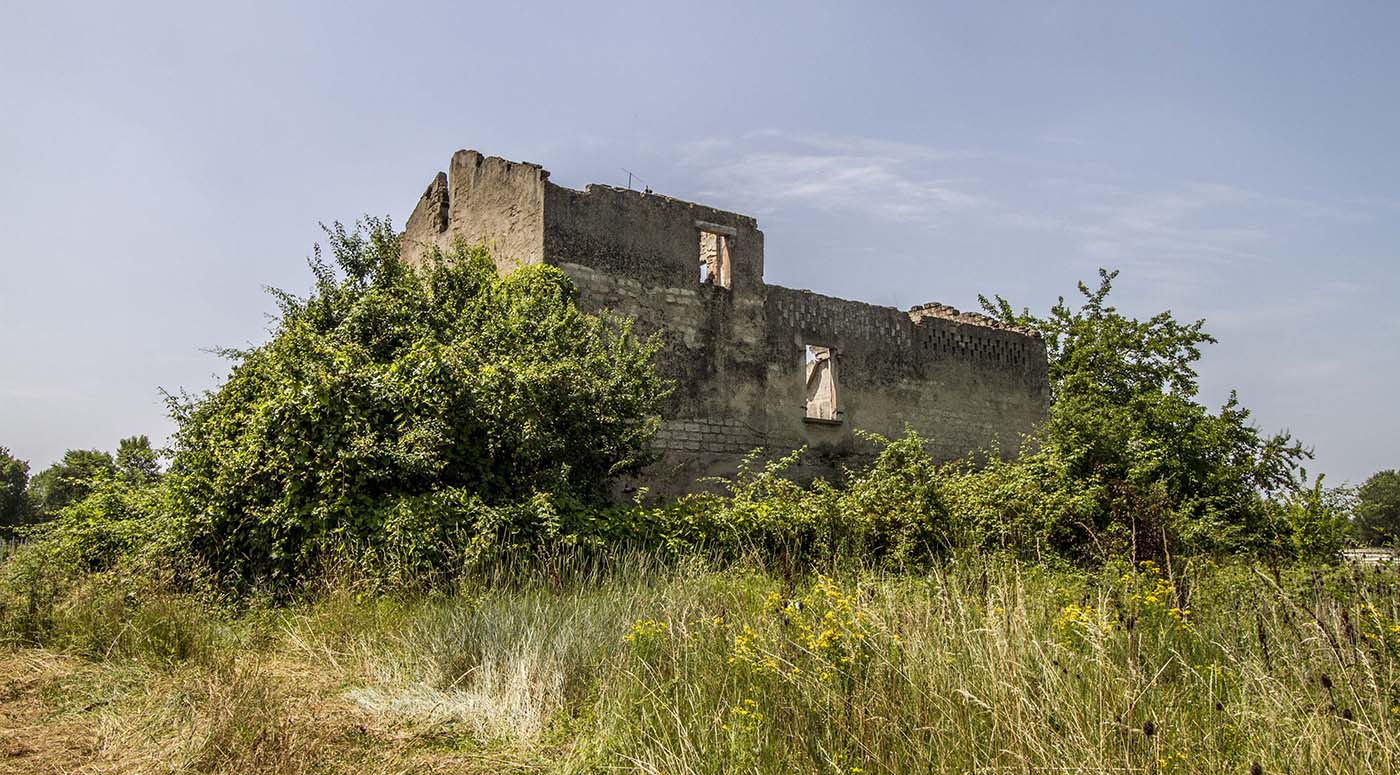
(398, 405)
(905, 510)
(412, 421)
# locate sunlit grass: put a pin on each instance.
(978, 665)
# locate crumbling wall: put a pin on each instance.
(639, 254)
(647, 237)
(482, 200)
(737, 354)
(963, 386)
(712, 352)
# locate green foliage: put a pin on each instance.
(1032, 506)
(1316, 521)
(137, 462)
(14, 477)
(890, 513)
(1095, 349)
(67, 481)
(78, 475)
(1377, 520)
(412, 422)
(898, 506)
(396, 402)
(1165, 472)
(116, 521)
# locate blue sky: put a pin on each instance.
(161, 163)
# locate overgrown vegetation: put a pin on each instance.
(1377, 509)
(413, 420)
(399, 405)
(980, 664)
(382, 543)
(1151, 469)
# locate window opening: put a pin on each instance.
(821, 372)
(714, 258)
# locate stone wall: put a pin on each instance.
(961, 385)
(482, 200)
(737, 355)
(652, 238)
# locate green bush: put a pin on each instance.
(890, 513)
(1377, 510)
(398, 405)
(408, 423)
(1141, 466)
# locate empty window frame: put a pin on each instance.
(715, 242)
(822, 389)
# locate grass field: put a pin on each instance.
(979, 665)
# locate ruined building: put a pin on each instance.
(755, 365)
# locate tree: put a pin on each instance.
(398, 398)
(1124, 420)
(14, 475)
(1377, 514)
(67, 481)
(137, 462)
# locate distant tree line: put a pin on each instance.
(1376, 513)
(30, 500)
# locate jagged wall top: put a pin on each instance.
(514, 207)
(942, 311)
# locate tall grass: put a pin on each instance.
(979, 665)
(982, 668)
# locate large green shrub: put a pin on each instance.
(1163, 472)
(396, 402)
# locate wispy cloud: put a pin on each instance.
(877, 178)
(1178, 232)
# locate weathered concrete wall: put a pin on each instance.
(652, 238)
(482, 200)
(962, 385)
(737, 354)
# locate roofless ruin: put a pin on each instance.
(755, 365)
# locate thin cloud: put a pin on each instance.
(884, 180)
(1180, 233)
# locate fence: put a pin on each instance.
(1371, 555)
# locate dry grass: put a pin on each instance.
(975, 667)
(37, 734)
(61, 714)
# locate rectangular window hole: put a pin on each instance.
(714, 258)
(822, 391)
